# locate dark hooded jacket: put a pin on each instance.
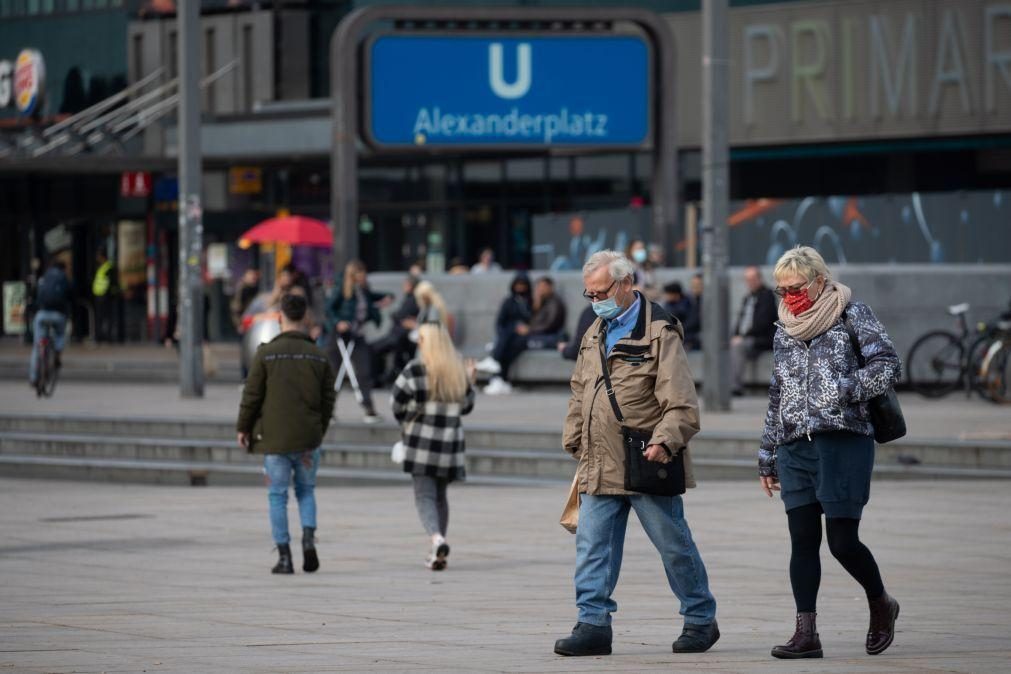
(517, 308)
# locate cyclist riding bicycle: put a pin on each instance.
(54, 300)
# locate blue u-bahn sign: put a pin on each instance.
(584, 91)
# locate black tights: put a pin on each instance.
(843, 542)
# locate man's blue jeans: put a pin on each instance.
(600, 539)
(58, 331)
(279, 469)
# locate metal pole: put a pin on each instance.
(191, 229)
(715, 309)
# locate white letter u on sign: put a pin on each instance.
(496, 77)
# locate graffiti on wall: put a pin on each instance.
(945, 227)
(966, 227)
(564, 241)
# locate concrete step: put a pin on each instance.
(146, 458)
(979, 454)
(118, 371)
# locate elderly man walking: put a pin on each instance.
(653, 392)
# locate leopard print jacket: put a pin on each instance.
(818, 386)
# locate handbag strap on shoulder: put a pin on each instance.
(607, 378)
(854, 340)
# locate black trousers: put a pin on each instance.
(106, 319)
(508, 348)
(396, 343)
(361, 361)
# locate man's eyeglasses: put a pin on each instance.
(783, 292)
(593, 297)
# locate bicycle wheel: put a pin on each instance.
(974, 366)
(934, 365)
(50, 371)
(996, 374)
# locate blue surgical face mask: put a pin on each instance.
(606, 309)
(639, 255)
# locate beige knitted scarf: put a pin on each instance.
(819, 318)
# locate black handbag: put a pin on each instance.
(641, 474)
(886, 414)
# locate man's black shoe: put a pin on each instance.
(586, 639)
(310, 561)
(283, 560)
(697, 638)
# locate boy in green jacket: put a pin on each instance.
(286, 408)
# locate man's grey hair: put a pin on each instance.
(619, 265)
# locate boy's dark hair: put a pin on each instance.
(674, 287)
(548, 280)
(293, 307)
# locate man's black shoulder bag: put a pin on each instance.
(886, 414)
(641, 474)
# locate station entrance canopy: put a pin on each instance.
(435, 80)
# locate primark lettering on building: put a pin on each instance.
(863, 69)
(523, 91)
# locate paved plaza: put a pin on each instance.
(123, 578)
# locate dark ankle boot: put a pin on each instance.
(310, 561)
(697, 638)
(804, 643)
(283, 560)
(586, 639)
(884, 611)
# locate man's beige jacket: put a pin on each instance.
(655, 390)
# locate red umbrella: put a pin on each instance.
(296, 230)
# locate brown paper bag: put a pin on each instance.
(570, 514)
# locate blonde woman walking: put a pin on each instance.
(818, 444)
(429, 398)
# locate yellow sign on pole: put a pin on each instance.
(245, 180)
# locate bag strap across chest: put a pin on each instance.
(605, 372)
(854, 340)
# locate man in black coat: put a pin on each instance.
(755, 326)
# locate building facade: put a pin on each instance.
(879, 131)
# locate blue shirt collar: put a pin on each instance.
(627, 317)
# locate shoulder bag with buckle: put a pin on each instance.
(641, 474)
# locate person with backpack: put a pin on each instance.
(831, 356)
(54, 300)
(430, 397)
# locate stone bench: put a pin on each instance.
(546, 367)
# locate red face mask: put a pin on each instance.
(798, 302)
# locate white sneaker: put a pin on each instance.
(437, 559)
(498, 387)
(489, 365)
(372, 418)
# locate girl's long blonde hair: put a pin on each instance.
(447, 376)
(427, 296)
(352, 268)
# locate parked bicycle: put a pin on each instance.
(942, 361)
(49, 362)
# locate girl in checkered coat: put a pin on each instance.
(429, 398)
